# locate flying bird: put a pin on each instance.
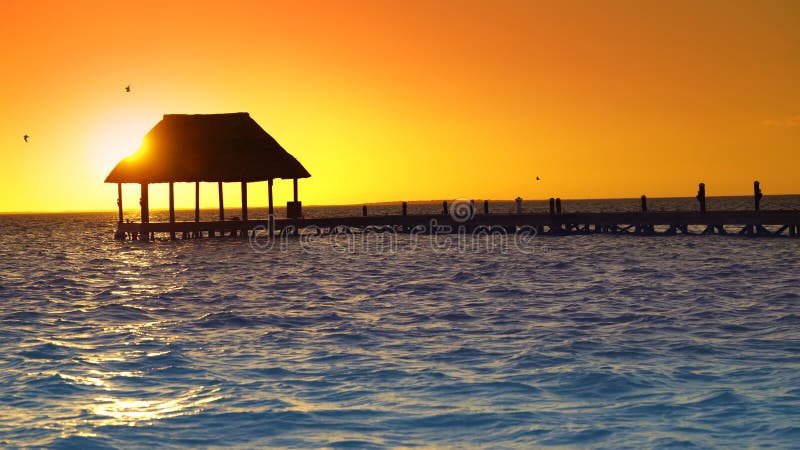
(26, 137)
(128, 88)
(537, 178)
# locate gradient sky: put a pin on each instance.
(412, 100)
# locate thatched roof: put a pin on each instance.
(207, 147)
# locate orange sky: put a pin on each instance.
(412, 100)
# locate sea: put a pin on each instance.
(593, 341)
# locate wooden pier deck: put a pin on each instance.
(747, 223)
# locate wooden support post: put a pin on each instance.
(471, 208)
(552, 206)
(364, 210)
(701, 196)
(244, 209)
(444, 208)
(221, 202)
(405, 208)
(244, 201)
(197, 201)
(171, 202)
(171, 209)
(119, 200)
(757, 194)
(270, 210)
(486, 206)
(518, 200)
(144, 203)
(558, 205)
(644, 203)
(297, 205)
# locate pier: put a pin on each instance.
(224, 148)
(742, 223)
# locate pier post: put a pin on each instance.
(119, 200)
(298, 208)
(757, 194)
(405, 208)
(244, 208)
(144, 203)
(644, 203)
(558, 205)
(196, 233)
(364, 210)
(221, 202)
(244, 201)
(701, 196)
(486, 207)
(552, 206)
(444, 208)
(271, 211)
(171, 210)
(518, 200)
(472, 208)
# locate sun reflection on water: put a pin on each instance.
(131, 411)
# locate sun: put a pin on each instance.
(115, 137)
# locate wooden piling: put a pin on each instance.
(197, 201)
(644, 203)
(486, 206)
(144, 202)
(757, 195)
(518, 200)
(444, 208)
(244, 201)
(221, 202)
(701, 196)
(364, 210)
(270, 210)
(405, 208)
(552, 206)
(558, 205)
(172, 208)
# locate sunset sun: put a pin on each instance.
(116, 136)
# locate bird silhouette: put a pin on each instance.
(26, 137)
(128, 88)
(537, 178)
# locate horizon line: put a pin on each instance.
(391, 202)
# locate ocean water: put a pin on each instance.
(593, 341)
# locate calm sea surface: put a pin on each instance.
(583, 341)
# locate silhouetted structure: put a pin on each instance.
(208, 148)
(701, 196)
(757, 195)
